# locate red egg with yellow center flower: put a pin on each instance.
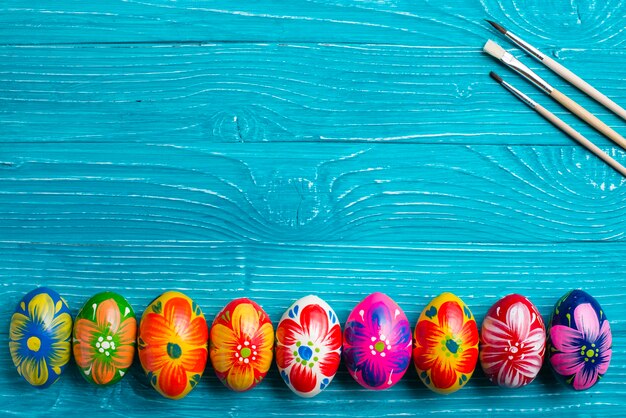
(241, 343)
(172, 342)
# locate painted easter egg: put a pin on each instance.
(512, 342)
(377, 342)
(579, 340)
(172, 343)
(308, 346)
(39, 337)
(105, 330)
(446, 344)
(242, 340)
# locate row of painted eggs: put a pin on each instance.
(377, 342)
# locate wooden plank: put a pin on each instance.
(278, 192)
(287, 93)
(275, 275)
(421, 22)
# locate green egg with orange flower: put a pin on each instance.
(104, 338)
(172, 344)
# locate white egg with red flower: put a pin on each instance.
(308, 346)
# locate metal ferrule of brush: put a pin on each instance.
(526, 46)
(530, 102)
(526, 72)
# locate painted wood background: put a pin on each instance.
(274, 149)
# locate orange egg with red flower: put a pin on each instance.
(172, 342)
(241, 344)
(104, 338)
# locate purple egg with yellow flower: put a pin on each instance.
(39, 337)
(377, 342)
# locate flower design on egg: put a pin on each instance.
(309, 349)
(377, 345)
(447, 348)
(107, 344)
(40, 338)
(512, 350)
(584, 352)
(241, 348)
(172, 345)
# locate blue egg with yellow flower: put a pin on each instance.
(39, 337)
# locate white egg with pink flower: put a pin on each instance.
(308, 346)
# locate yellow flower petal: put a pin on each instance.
(223, 337)
(61, 327)
(267, 333)
(240, 377)
(19, 323)
(222, 360)
(264, 358)
(35, 372)
(41, 309)
(14, 347)
(59, 354)
(245, 320)
(263, 361)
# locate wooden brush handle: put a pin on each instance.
(585, 115)
(578, 137)
(584, 87)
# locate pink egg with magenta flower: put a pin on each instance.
(377, 342)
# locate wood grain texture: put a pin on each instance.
(322, 193)
(574, 24)
(274, 149)
(275, 276)
(188, 94)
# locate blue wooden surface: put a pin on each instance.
(275, 149)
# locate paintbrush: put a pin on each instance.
(552, 118)
(510, 61)
(578, 82)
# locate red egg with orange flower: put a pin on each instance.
(242, 340)
(172, 344)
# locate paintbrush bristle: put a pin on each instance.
(494, 49)
(498, 27)
(496, 77)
